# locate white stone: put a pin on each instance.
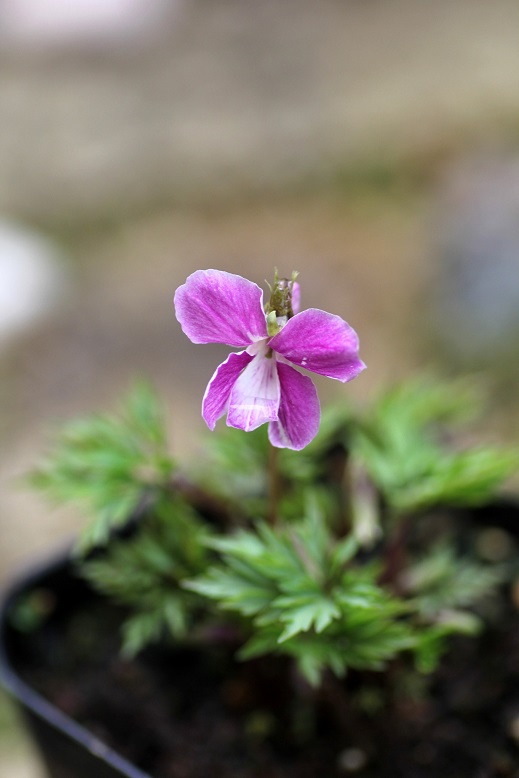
(32, 279)
(81, 21)
(351, 760)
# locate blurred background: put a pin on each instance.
(373, 145)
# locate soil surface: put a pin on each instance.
(191, 713)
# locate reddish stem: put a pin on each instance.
(274, 485)
(395, 556)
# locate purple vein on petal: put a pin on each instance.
(218, 307)
(219, 388)
(322, 343)
(299, 410)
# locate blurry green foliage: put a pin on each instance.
(337, 580)
(108, 463)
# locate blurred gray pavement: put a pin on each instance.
(239, 95)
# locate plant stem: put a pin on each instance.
(274, 485)
(347, 494)
(215, 510)
(395, 555)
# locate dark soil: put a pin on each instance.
(192, 713)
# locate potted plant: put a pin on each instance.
(326, 597)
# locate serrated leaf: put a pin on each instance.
(318, 613)
(138, 631)
(107, 463)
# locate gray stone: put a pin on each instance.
(476, 241)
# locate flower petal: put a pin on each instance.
(220, 386)
(299, 410)
(255, 395)
(322, 343)
(218, 307)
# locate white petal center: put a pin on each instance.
(254, 398)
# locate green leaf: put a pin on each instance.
(318, 612)
(443, 581)
(306, 598)
(233, 590)
(466, 478)
(146, 573)
(402, 447)
(107, 463)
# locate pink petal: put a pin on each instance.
(219, 387)
(322, 343)
(218, 307)
(255, 395)
(299, 410)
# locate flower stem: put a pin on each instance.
(395, 555)
(274, 485)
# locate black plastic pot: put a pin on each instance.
(68, 749)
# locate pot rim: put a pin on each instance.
(30, 699)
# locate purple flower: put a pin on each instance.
(259, 384)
